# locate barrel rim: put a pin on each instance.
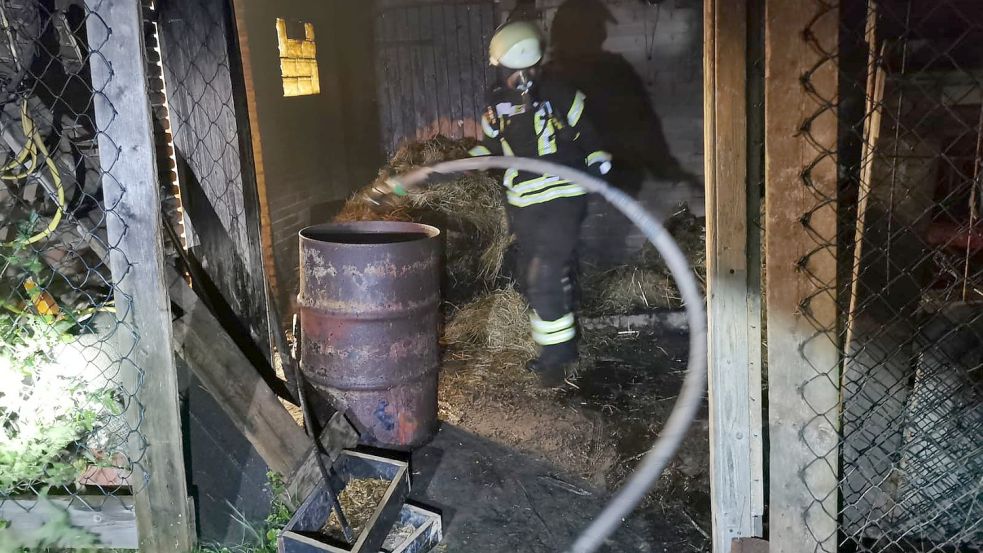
(368, 227)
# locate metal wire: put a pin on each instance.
(694, 386)
(909, 278)
(70, 413)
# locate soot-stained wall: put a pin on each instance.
(640, 64)
(311, 151)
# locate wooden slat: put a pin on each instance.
(246, 398)
(256, 147)
(453, 53)
(734, 328)
(803, 375)
(231, 379)
(112, 519)
(429, 73)
(383, 75)
(130, 187)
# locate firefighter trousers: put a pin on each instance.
(546, 243)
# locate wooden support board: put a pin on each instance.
(803, 375)
(130, 191)
(112, 519)
(246, 398)
(733, 283)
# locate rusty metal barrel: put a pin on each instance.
(369, 311)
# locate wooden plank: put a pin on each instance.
(453, 52)
(734, 363)
(256, 147)
(252, 206)
(112, 519)
(433, 105)
(248, 401)
(439, 54)
(383, 71)
(803, 378)
(871, 132)
(478, 59)
(467, 100)
(237, 387)
(130, 187)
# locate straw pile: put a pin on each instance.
(469, 210)
(487, 345)
(359, 500)
(646, 284)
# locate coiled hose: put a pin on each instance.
(694, 385)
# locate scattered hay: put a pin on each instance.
(470, 210)
(647, 284)
(488, 343)
(398, 535)
(358, 500)
(485, 388)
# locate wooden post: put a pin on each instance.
(800, 186)
(733, 282)
(131, 197)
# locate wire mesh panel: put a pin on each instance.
(71, 424)
(909, 276)
(207, 135)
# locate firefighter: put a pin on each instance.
(531, 115)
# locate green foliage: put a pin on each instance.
(56, 533)
(261, 538)
(51, 398)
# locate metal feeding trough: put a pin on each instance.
(304, 532)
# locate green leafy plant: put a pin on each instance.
(52, 397)
(55, 533)
(261, 538)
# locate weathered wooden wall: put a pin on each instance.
(432, 70)
(216, 180)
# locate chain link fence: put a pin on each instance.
(70, 421)
(909, 275)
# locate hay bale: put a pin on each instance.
(470, 210)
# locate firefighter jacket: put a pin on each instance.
(553, 128)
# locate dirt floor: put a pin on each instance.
(599, 429)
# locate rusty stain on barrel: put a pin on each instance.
(369, 310)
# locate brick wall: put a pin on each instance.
(313, 150)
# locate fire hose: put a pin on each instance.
(691, 396)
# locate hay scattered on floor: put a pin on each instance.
(488, 343)
(358, 500)
(470, 210)
(647, 283)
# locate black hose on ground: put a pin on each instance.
(691, 396)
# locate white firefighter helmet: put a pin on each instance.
(516, 45)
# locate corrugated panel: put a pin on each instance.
(431, 68)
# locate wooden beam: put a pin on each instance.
(800, 186)
(246, 398)
(237, 387)
(733, 282)
(130, 192)
(244, 69)
(112, 519)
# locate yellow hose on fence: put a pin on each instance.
(34, 147)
